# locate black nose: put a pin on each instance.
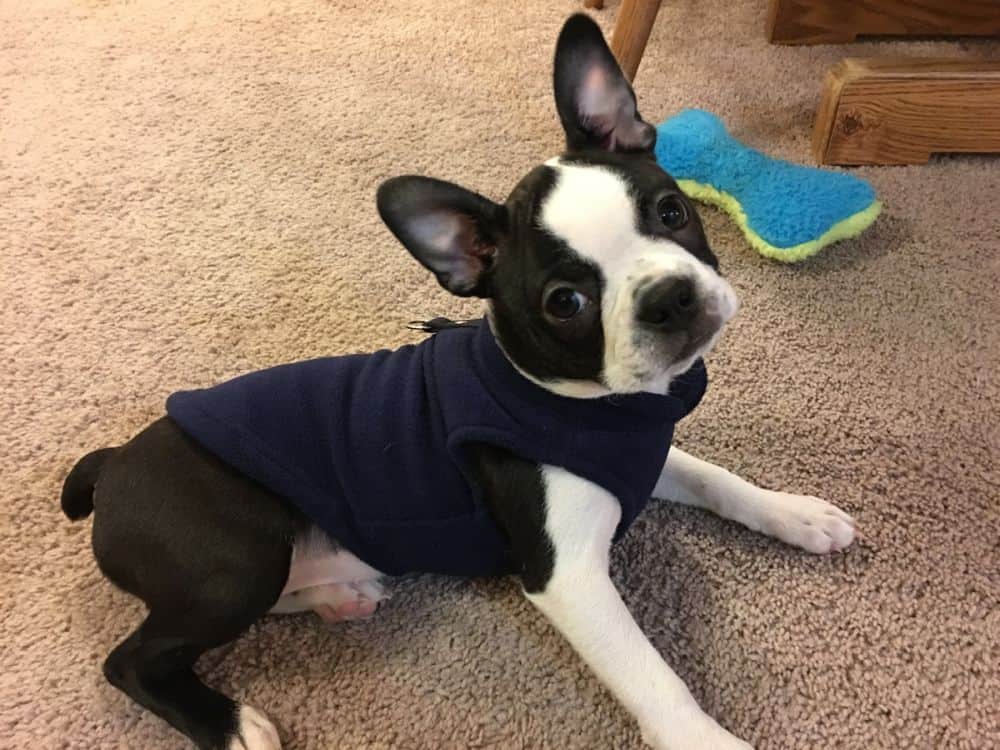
(669, 305)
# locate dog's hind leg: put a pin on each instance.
(154, 667)
(208, 551)
(801, 520)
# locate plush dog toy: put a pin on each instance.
(787, 212)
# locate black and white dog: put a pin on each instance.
(600, 287)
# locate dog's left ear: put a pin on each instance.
(596, 103)
(452, 231)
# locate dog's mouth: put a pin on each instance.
(673, 351)
(700, 338)
(661, 358)
(707, 326)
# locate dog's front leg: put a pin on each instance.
(581, 601)
(801, 520)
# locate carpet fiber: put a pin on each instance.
(186, 193)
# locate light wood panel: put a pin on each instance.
(902, 110)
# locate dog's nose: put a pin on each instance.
(668, 305)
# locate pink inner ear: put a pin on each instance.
(606, 109)
(453, 246)
(471, 242)
(485, 251)
(596, 103)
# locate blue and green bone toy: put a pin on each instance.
(786, 211)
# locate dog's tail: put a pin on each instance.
(78, 489)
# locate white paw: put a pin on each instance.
(702, 734)
(807, 522)
(255, 732)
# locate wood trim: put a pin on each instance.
(902, 110)
(833, 84)
(840, 21)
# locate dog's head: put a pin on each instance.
(597, 271)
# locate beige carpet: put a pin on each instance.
(186, 192)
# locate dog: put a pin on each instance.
(523, 444)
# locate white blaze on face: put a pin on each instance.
(592, 210)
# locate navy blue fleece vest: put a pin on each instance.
(370, 446)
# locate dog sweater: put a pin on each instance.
(371, 447)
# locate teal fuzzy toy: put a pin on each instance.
(786, 211)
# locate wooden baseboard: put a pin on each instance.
(840, 21)
(902, 110)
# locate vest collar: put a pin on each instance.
(616, 412)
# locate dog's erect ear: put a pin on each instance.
(595, 102)
(450, 230)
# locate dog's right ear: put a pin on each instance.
(595, 101)
(452, 231)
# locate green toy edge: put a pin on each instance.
(844, 229)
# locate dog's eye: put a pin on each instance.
(563, 303)
(672, 212)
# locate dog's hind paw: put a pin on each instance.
(254, 732)
(807, 522)
(703, 734)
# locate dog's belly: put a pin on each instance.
(329, 580)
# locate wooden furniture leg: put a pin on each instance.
(839, 21)
(632, 27)
(902, 110)
(594, 4)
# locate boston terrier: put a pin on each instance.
(521, 444)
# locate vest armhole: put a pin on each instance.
(457, 440)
